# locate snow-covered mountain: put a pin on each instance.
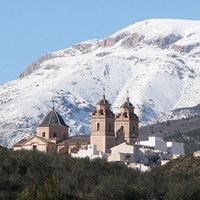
(156, 60)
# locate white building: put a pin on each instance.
(122, 153)
(91, 152)
(172, 148)
(155, 151)
(196, 153)
(132, 155)
(175, 148)
(147, 156)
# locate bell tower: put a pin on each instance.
(103, 120)
(127, 123)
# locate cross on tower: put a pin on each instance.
(53, 103)
(127, 98)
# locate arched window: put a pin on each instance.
(98, 126)
(43, 134)
(54, 134)
(125, 114)
(101, 111)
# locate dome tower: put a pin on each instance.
(53, 127)
(103, 119)
(127, 123)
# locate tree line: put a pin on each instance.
(34, 175)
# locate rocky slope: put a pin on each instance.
(156, 60)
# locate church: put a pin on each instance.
(108, 130)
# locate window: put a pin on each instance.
(34, 147)
(43, 134)
(133, 130)
(125, 114)
(101, 112)
(98, 127)
(54, 134)
(109, 128)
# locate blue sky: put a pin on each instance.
(32, 28)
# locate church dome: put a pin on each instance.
(127, 104)
(103, 101)
(52, 119)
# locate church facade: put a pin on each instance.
(50, 133)
(107, 131)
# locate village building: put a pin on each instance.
(109, 130)
(171, 148)
(196, 154)
(52, 133)
(113, 137)
(103, 123)
(127, 124)
(90, 152)
(122, 153)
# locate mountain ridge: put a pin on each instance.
(156, 60)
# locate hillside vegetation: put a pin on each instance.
(186, 131)
(191, 140)
(33, 175)
(171, 127)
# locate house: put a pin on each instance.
(196, 153)
(122, 153)
(170, 148)
(155, 151)
(90, 151)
